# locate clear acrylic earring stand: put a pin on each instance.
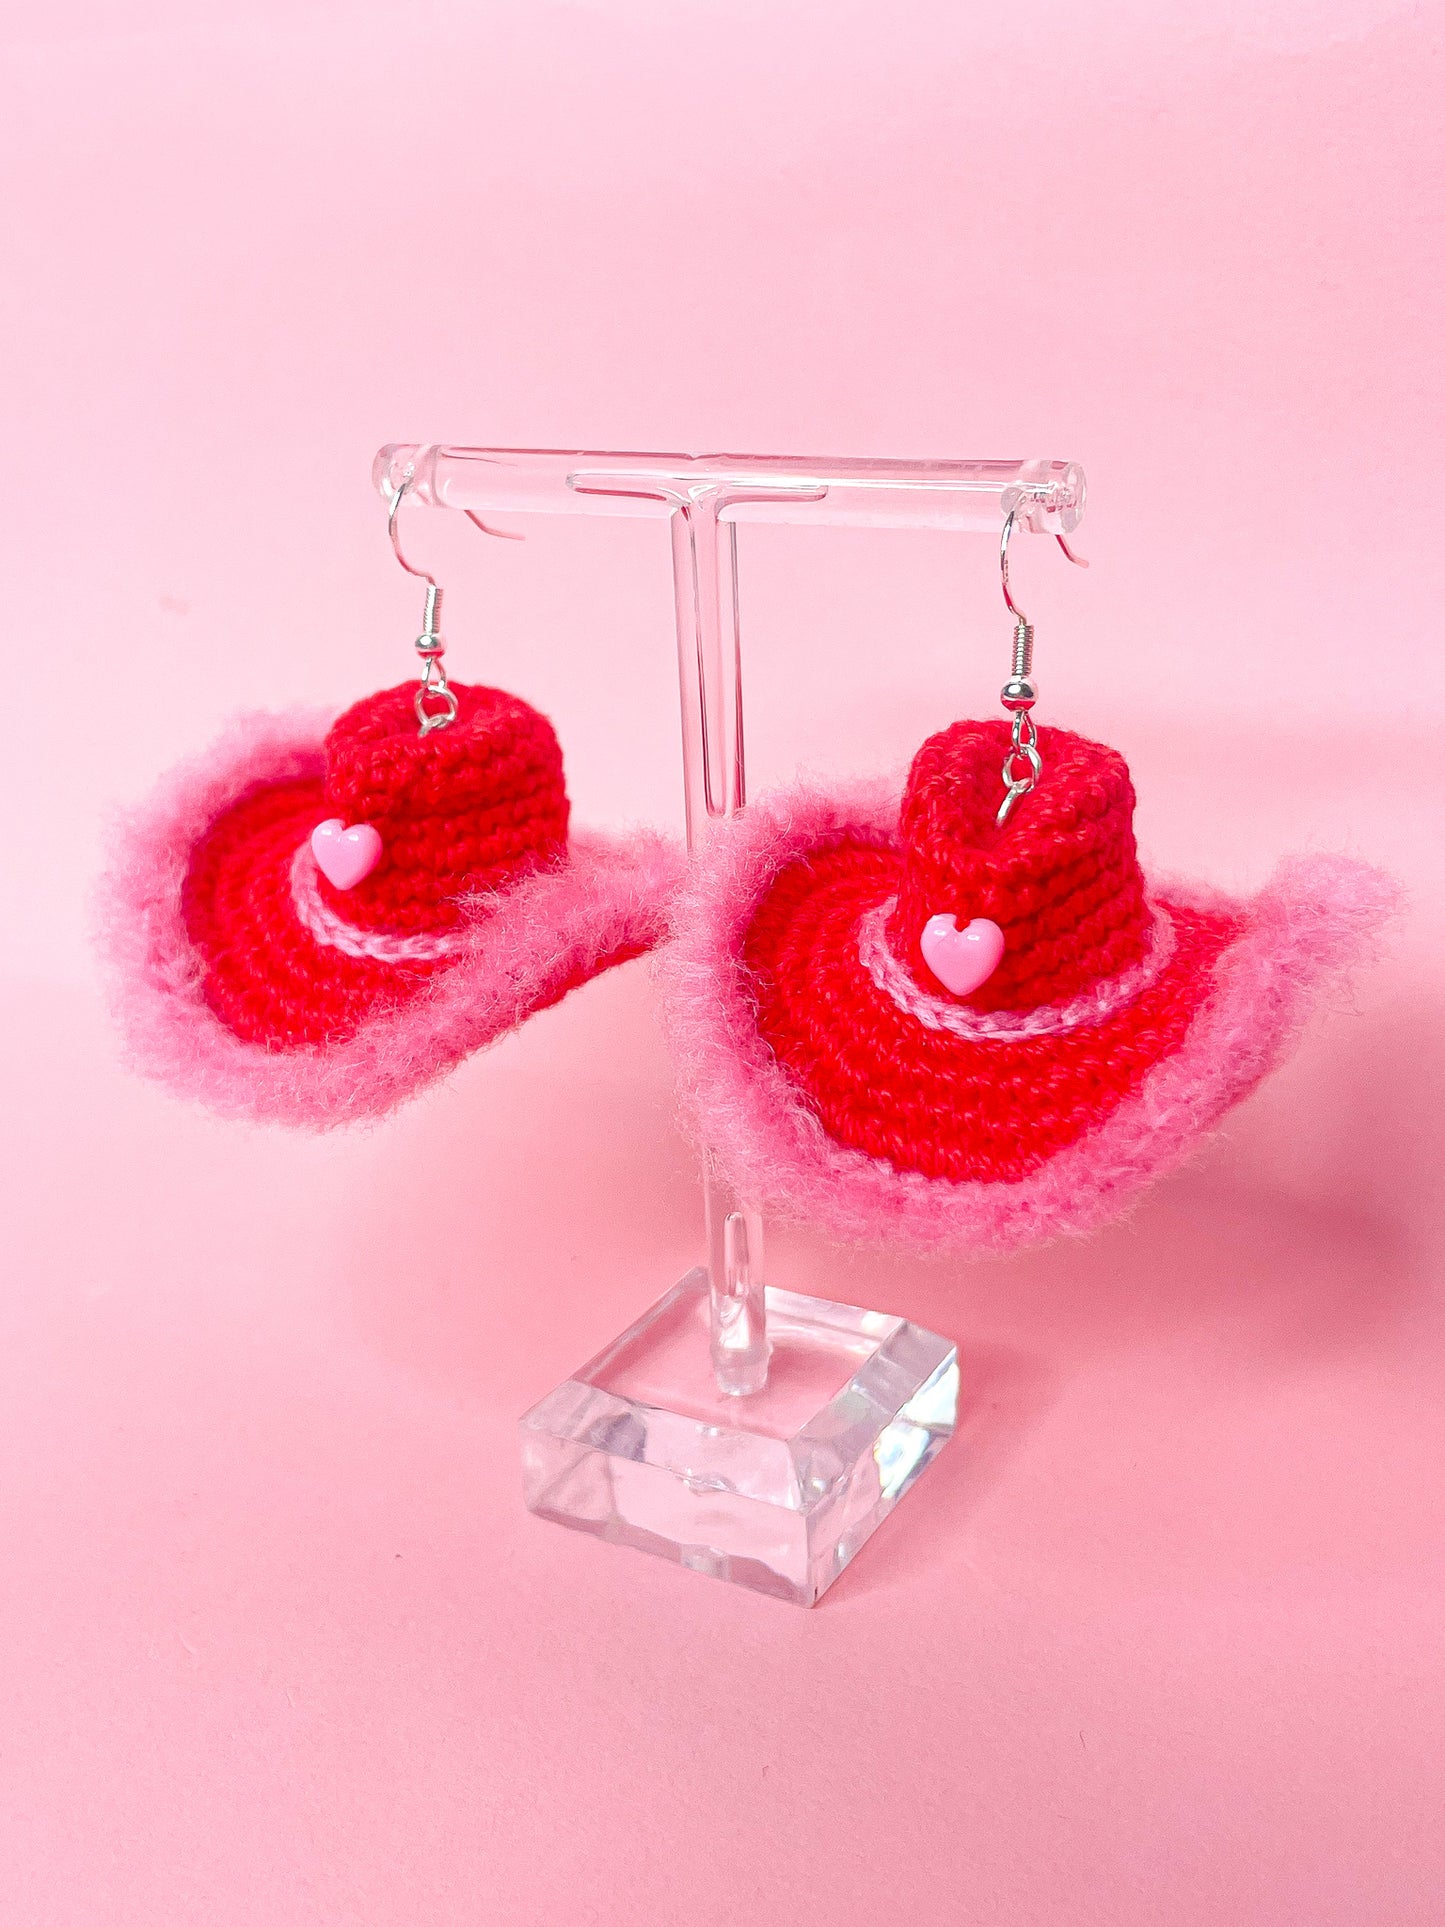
(755, 1434)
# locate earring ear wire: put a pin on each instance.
(1023, 766)
(436, 703)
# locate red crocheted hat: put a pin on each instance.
(310, 927)
(912, 1024)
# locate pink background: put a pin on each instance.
(1158, 1641)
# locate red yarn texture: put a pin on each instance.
(1061, 879)
(467, 809)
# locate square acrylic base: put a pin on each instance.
(776, 1491)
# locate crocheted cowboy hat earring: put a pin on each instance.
(969, 1020)
(310, 924)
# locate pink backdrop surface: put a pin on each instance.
(1157, 1643)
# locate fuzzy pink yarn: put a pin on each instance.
(1316, 919)
(523, 949)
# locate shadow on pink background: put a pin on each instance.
(1157, 1642)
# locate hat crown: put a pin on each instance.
(1060, 878)
(466, 808)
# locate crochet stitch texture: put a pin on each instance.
(466, 810)
(345, 1030)
(1061, 878)
(783, 1040)
(1062, 881)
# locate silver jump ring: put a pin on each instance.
(431, 719)
(1017, 786)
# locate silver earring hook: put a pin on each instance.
(1079, 561)
(430, 646)
(1023, 765)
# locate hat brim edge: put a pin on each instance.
(1314, 921)
(551, 931)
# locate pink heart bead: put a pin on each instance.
(961, 959)
(345, 856)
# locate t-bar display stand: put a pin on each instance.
(755, 1434)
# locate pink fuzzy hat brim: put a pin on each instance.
(610, 897)
(1316, 919)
